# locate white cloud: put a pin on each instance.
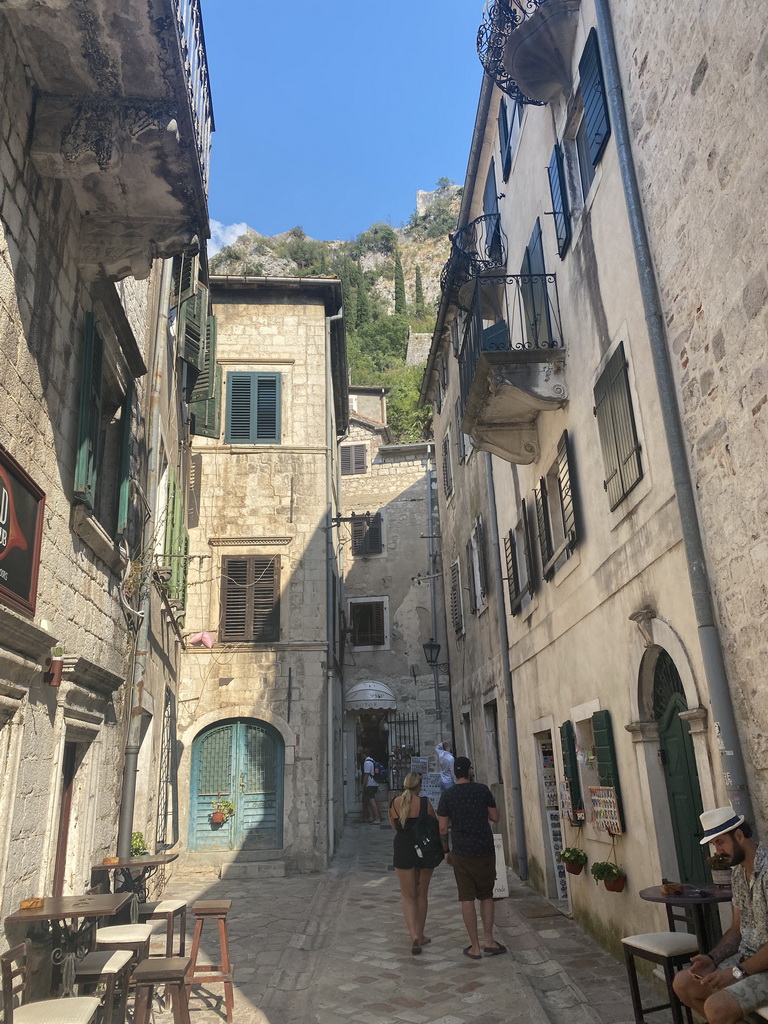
(224, 234)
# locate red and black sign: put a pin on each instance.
(21, 530)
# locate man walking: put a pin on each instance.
(445, 762)
(467, 809)
(371, 812)
(731, 980)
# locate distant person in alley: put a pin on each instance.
(466, 810)
(371, 812)
(445, 761)
(727, 983)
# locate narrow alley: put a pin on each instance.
(331, 948)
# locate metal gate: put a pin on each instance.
(403, 745)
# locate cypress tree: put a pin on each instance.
(363, 303)
(419, 296)
(400, 304)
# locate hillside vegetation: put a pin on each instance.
(391, 286)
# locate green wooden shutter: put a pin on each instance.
(124, 490)
(192, 328)
(184, 278)
(504, 139)
(605, 753)
(616, 427)
(203, 387)
(268, 408)
(566, 491)
(527, 546)
(592, 89)
(559, 193)
(205, 416)
(571, 769)
(241, 389)
(545, 527)
(89, 423)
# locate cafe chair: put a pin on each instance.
(170, 972)
(111, 968)
(133, 937)
(670, 950)
(13, 966)
(167, 911)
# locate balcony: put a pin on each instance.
(123, 112)
(477, 249)
(511, 363)
(526, 46)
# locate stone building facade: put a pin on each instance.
(92, 406)
(396, 705)
(582, 678)
(261, 702)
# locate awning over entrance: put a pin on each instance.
(370, 694)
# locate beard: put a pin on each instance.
(737, 855)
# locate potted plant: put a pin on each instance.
(138, 846)
(573, 858)
(720, 866)
(222, 810)
(611, 875)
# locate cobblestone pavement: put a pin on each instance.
(332, 948)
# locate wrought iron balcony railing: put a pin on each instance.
(477, 248)
(190, 28)
(515, 313)
(500, 19)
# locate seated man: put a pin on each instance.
(731, 980)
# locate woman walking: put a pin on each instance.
(414, 878)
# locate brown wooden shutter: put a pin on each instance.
(545, 529)
(457, 618)
(266, 599)
(373, 538)
(471, 578)
(513, 581)
(234, 600)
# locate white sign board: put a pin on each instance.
(556, 844)
(420, 765)
(501, 888)
(430, 787)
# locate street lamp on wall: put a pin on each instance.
(431, 651)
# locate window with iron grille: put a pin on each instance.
(253, 408)
(457, 611)
(616, 427)
(555, 513)
(250, 599)
(353, 459)
(368, 622)
(367, 536)
(519, 562)
(447, 471)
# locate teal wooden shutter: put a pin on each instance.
(125, 464)
(616, 427)
(89, 423)
(559, 193)
(240, 392)
(605, 753)
(253, 408)
(571, 769)
(592, 89)
(205, 416)
(192, 328)
(268, 408)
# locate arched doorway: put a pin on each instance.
(241, 760)
(680, 774)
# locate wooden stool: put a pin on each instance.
(670, 950)
(112, 968)
(170, 971)
(214, 910)
(167, 911)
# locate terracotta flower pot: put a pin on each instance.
(573, 869)
(617, 886)
(217, 817)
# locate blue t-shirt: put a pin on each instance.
(466, 804)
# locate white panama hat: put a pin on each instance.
(719, 821)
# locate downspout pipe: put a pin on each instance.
(509, 695)
(139, 668)
(432, 572)
(732, 760)
(330, 564)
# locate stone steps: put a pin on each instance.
(233, 864)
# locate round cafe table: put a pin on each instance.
(695, 898)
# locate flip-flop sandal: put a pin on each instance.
(415, 949)
(425, 942)
(473, 956)
(494, 950)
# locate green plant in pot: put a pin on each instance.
(222, 810)
(611, 875)
(573, 858)
(138, 846)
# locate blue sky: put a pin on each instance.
(332, 115)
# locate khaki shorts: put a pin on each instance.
(475, 876)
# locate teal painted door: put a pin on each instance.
(241, 760)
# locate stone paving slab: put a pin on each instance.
(332, 948)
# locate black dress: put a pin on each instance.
(404, 851)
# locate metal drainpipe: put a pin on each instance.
(501, 615)
(734, 774)
(330, 563)
(133, 740)
(432, 562)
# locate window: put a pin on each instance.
(559, 193)
(457, 611)
(593, 126)
(447, 472)
(571, 771)
(250, 599)
(510, 121)
(253, 408)
(463, 441)
(102, 467)
(589, 760)
(616, 426)
(353, 459)
(368, 622)
(533, 287)
(492, 741)
(477, 568)
(555, 513)
(205, 395)
(367, 535)
(519, 561)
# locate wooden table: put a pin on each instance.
(70, 921)
(136, 871)
(695, 898)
